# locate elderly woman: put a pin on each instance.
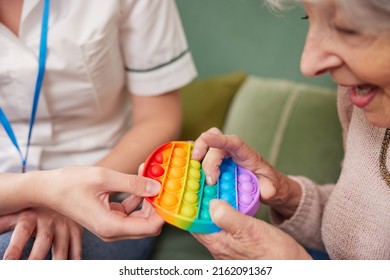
(350, 39)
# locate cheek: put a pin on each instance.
(372, 69)
(369, 60)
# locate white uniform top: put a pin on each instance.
(98, 51)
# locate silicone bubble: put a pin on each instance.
(184, 198)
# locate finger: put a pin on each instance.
(146, 210)
(131, 227)
(75, 242)
(211, 157)
(211, 163)
(208, 240)
(7, 222)
(226, 217)
(246, 157)
(235, 147)
(131, 203)
(138, 185)
(60, 245)
(201, 146)
(22, 233)
(117, 206)
(42, 242)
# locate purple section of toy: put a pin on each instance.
(248, 192)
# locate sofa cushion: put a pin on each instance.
(206, 101)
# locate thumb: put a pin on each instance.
(226, 217)
(142, 186)
(133, 184)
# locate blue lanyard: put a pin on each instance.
(41, 71)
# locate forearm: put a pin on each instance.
(19, 191)
(155, 120)
(137, 144)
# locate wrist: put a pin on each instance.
(289, 201)
(16, 192)
(36, 188)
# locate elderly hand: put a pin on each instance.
(244, 237)
(277, 190)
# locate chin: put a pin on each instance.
(378, 121)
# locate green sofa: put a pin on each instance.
(293, 125)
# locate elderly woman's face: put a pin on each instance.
(356, 59)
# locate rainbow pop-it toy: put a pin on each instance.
(184, 198)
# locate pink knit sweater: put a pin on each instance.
(350, 219)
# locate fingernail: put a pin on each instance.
(215, 211)
(153, 187)
(9, 258)
(209, 180)
(213, 203)
(195, 153)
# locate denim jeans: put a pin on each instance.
(96, 249)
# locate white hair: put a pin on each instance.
(369, 13)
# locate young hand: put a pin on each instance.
(50, 230)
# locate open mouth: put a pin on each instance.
(363, 89)
(362, 95)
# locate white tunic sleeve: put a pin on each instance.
(154, 46)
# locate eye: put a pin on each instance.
(305, 17)
(346, 31)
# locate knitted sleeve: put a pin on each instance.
(305, 225)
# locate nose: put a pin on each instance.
(318, 56)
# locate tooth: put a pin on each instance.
(362, 90)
